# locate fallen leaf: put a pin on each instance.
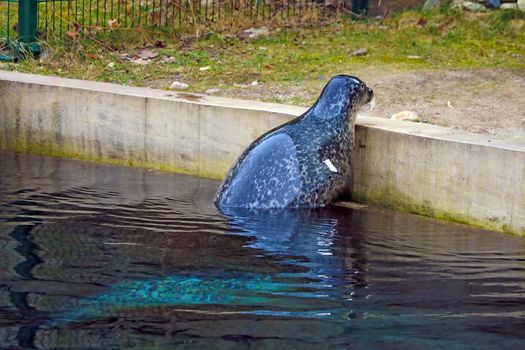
(269, 66)
(92, 55)
(72, 35)
(406, 116)
(160, 43)
(113, 24)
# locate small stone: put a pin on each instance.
(360, 52)
(148, 54)
(141, 61)
(509, 6)
(177, 85)
(111, 64)
(254, 33)
(125, 58)
(408, 116)
(473, 6)
(166, 59)
(212, 91)
(430, 4)
(492, 4)
(254, 83)
(521, 5)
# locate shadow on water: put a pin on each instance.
(107, 257)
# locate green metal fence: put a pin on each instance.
(22, 22)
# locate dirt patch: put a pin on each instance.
(490, 101)
(482, 101)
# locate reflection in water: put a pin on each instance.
(107, 257)
(306, 239)
(301, 241)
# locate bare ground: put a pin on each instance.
(489, 101)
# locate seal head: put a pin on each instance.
(341, 98)
(304, 163)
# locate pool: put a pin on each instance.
(96, 256)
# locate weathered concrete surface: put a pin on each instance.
(109, 123)
(441, 173)
(419, 168)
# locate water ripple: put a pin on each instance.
(94, 256)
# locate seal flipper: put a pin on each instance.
(266, 176)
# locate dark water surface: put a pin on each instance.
(106, 257)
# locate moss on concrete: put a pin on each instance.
(391, 200)
(46, 145)
(387, 200)
(69, 152)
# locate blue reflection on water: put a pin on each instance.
(301, 241)
(302, 237)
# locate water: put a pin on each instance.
(108, 257)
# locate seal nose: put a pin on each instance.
(370, 95)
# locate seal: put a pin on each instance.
(305, 163)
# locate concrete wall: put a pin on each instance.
(419, 168)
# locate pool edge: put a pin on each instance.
(419, 168)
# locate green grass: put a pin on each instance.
(441, 39)
(8, 17)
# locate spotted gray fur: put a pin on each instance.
(304, 163)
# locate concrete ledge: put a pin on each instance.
(419, 168)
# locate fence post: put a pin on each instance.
(28, 26)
